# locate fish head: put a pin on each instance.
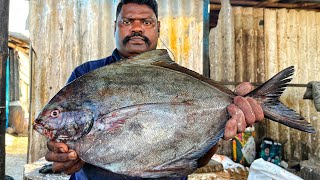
(64, 121)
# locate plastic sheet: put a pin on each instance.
(263, 170)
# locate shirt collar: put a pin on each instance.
(116, 55)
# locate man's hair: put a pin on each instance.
(150, 3)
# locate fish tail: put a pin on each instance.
(268, 95)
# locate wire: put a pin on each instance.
(174, 58)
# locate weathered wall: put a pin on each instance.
(24, 82)
(19, 90)
(265, 42)
(182, 31)
(292, 38)
(67, 33)
(63, 34)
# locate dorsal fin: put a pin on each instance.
(170, 64)
(161, 58)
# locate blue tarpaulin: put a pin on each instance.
(7, 91)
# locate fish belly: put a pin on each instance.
(154, 140)
(152, 121)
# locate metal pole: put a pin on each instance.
(4, 19)
(206, 28)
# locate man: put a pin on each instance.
(136, 31)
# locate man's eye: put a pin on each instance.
(147, 22)
(125, 22)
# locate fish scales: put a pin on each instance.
(147, 116)
(138, 86)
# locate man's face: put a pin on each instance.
(136, 30)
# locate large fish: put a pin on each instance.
(149, 117)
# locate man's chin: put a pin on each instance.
(137, 50)
(130, 50)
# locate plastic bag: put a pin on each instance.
(226, 162)
(263, 170)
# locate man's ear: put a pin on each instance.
(159, 27)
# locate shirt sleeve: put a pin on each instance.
(92, 65)
(79, 71)
(85, 68)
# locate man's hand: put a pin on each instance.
(64, 159)
(244, 112)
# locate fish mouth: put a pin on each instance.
(44, 131)
(50, 133)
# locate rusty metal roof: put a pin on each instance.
(215, 6)
(300, 4)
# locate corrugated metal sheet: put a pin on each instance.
(237, 50)
(292, 38)
(67, 33)
(182, 31)
(267, 41)
(64, 34)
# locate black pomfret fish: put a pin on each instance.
(149, 117)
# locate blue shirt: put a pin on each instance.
(92, 65)
(88, 171)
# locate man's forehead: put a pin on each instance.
(133, 10)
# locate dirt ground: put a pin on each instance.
(16, 155)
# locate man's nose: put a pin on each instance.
(137, 26)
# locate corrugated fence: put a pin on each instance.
(182, 31)
(265, 42)
(292, 38)
(67, 33)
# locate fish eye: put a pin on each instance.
(55, 113)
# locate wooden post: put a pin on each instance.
(14, 76)
(4, 19)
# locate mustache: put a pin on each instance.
(144, 38)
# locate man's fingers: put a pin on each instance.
(57, 147)
(258, 112)
(237, 114)
(75, 168)
(230, 129)
(67, 167)
(61, 166)
(64, 159)
(61, 157)
(243, 89)
(245, 107)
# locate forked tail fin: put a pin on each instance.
(268, 96)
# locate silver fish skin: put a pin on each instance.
(149, 117)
